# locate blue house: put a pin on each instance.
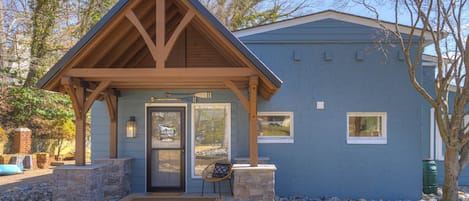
(317, 96)
(433, 145)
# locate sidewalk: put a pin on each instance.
(27, 177)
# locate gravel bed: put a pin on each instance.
(29, 192)
(463, 196)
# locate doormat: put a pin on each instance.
(173, 199)
(140, 197)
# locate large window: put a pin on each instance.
(275, 127)
(210, 134)
(366, 128)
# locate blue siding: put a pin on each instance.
(320, 162)
(100, 131)
(429, 77)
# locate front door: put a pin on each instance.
(165, 149)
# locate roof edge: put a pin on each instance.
(327, 14)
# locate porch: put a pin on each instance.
(140, 51)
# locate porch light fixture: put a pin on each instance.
(131, 128)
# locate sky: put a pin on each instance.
(386, 13)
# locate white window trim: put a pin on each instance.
(432, 133)
(227, 131)
(368, 140)
(438, 146)
(273, 139)
(439, 153)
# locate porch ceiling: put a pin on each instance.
(123, 51)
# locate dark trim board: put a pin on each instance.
(182, 148)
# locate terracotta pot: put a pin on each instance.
(42, 160)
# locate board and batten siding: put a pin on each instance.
(318, 62)
(132, 103)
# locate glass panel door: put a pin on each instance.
(166, 144)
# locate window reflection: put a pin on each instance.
(211, 134)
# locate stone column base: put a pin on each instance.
(117, 180)
(104, 180)
(254, 183)
(76, 183)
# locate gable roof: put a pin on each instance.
(201, 12)
(327, 14)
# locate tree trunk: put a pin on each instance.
(452, 170)
(59, 149)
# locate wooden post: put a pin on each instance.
(111, 102)
(78, 97)
(253, 147)
(80, 127)
(81, 104)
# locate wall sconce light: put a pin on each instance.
(131, 128)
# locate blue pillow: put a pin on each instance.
(221, 170)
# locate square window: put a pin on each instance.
(366, 128)
(275, 127)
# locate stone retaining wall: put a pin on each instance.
(254, 183)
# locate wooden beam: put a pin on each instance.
(146, 37)
(92, 97)
(68, 86)
(52, 85)
(253, 146)
(238, 93)
(182, 25)
(142, 73)
(171, 87)
(77, 95)
(127, 42)
(111, 103)
(160, 33)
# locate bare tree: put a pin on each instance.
(239, 14)
(444, 21)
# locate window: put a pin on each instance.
(366, 128)
(211, 132)
(275, 127)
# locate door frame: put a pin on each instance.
(185, 105)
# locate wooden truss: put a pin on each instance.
(157, 45)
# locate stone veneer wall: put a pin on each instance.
(254, 183)
(117, 180)
(107, 179)
(78, 183)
